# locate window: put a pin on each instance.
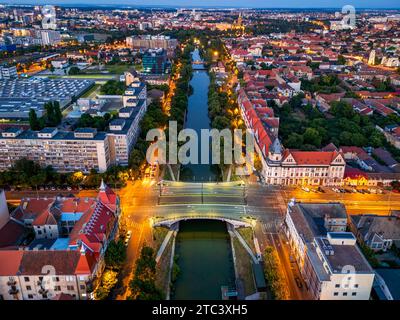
(30, 296)
(356, 285)
(70, 288)
(57, 288)
(337, 285)
(28, 288)
(336, 293)
(26, 279)
(344, 294)
(354, 294)
(82, 287)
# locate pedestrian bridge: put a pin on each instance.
(168, 222)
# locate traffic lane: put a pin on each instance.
(205, 199)
(293, 272)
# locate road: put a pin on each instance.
(267, 204)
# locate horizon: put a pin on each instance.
(210, 4)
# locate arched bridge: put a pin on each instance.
(169, 221)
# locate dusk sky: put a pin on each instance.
(228, 3)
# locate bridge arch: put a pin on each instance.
(168, 222)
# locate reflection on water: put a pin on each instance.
(197, 119)
(205, 260)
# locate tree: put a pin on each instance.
(115, 254)
(143, 285)
(57, 112)
(311, 136)
(74, 71)
(294, 141)
(341, 60)
(33, 120)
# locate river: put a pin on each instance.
(197, 119)
(203, 246)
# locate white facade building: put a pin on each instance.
(329, 260)
(50, 37)
(65, 151)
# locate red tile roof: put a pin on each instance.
(10, 261)
(35, 262)
(314, 157)
(10, 234)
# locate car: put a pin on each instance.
(69, 188)
(126, 242)
(305, 189)
(129, 234)
(298, 282)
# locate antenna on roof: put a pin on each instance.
(102, 186)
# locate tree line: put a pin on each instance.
(52, 117)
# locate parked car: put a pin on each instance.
(305, 189)
(298, 282)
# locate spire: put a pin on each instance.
(82, 250)
(276, 147)
(103, 186)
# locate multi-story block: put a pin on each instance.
(50, 37)
(65, 151)
(7, 72)
(329, 260)
(124, 131)
(136, 92)
(284, 166)
(155, 61)
(152, 42)
(70, 260)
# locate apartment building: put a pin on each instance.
(69, 259)
(83, 149)
(8, 72)
(50, 37)
(136, 92)
(329, 260)
(65, 151)
(124, 131)
(282, 166)
(151, 42)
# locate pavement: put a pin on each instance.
(266, 204)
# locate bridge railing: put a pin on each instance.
(171, 220)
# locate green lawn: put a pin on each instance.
(163, 267)
(91, 93)
(159, 236)
(117, 68)
(247, 235)
(243, 267)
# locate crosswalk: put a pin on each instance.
(134, 225)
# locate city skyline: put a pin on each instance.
(286, 4)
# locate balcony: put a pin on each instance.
(43, 291)
(13, 290)
(11, 283)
